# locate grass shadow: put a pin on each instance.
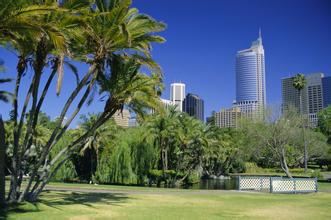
(18, 208)
(60, 199)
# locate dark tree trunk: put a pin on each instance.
(2, 163)
(303, 133)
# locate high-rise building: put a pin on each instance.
(250, 78)
(312, 96)
(194, 106)
(177, 95)
(326, 84)
(228, 118)
(291, 96)
(122, 118)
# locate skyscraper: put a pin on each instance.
(177, 95)
(326, 84)
(194, 106)
(250, 78)
(291, 96)
(312, 96)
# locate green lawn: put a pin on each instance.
(152, 203)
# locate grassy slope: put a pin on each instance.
(174, 204)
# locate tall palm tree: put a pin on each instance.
(119, 42)
(126, 86)
(299, 82)
(27, 28)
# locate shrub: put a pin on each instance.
(251, 167)
(316, 174)
(66, 173)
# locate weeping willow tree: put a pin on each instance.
(67, 172)
(127, 159)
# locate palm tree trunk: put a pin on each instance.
(303, 132)
(2, 163)
(50, 142)
(66, 152)
(12, 195)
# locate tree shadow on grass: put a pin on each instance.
(62, 198)
(18, 208)
(59, 199)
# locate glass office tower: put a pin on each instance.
(194, 106)
(250, 78)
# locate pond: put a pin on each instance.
(212, 184)
(229, 183)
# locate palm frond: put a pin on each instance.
(73, 69)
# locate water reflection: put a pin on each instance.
(225, 184)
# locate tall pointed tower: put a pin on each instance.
(250, 78)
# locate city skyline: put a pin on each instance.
(291, 38)
(295, 43)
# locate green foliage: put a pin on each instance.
(194, 177)
(114, 40)
(120, 165)
(299, 81)
(224, 153)
(126, 159)
(251, 167)
(324, 122)
(317, 174)
(66, 173)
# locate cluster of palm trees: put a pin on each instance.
(168, 147)
(111, 37)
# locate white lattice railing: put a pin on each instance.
(277, 184)
(254, 183)
(293, 185)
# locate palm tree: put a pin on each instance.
(163, 129)
(119, 42)
(192, 142)
(30, 29)
(299, 82)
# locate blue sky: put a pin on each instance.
(203, 37)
